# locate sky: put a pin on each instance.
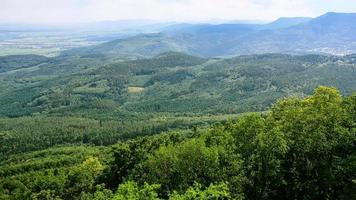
(81, 11)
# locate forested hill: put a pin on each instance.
(168, 83)
(299, 149)
(9, 63)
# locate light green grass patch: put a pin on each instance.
(135, 89)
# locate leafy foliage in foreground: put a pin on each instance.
(300, 149)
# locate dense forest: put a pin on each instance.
(300, 148)
(98, 87)
(177, 126)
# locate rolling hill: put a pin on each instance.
(169, 83)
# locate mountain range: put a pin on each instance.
(331, 33)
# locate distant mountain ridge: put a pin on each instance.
(332, 33)
(285, 22)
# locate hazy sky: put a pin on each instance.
(73, 11)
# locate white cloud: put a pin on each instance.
(66, 11)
